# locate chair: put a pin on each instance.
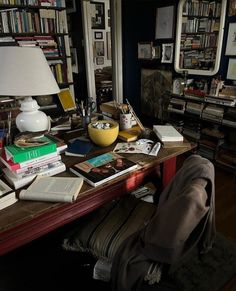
(140, 239)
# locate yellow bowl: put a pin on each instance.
(104, 137)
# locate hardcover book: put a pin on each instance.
(21, 154)
(103, 168)
(79, 148)
(21, 182)
(30, 163)
(131, 134)
(167, 133)
(7, 195)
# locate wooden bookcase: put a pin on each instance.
(39, 23)
(209, 123)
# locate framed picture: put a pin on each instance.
(145, 50)
(231, 40)
(156, 50)
(97, 15)
(164, 22)
(100, 61)
(70, 6)
(231, 73)
(74, 60)
(99, 49)
(98, 35)
(167, 52)
(232, 8)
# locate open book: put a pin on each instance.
(53, 189)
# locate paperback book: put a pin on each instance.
(53, 189)
(167, 133)
(103, 168)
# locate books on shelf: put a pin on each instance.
(21, 182)
(103, 168)
(7, 195)
(66, 100)
(79, 148)
(53, 189)
(167, 133)
(20, 154)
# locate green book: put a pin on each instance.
(22, 154)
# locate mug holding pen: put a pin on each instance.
(85, 111)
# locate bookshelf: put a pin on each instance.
(199, 35)
(39, 23)
(209, 122)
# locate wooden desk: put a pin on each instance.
(27, 220)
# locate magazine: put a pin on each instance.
(101, 169)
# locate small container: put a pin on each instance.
(85, 120)
(125, 121)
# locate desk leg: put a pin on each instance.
(168, 171)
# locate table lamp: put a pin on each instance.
(24, 72)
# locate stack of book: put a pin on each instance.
(23, 164)
(7, 195)
(213, 113)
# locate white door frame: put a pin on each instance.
(116, 34)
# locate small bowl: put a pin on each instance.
(104, 137)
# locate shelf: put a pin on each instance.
(196, 25)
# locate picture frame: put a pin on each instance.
(70, 6)
(167, 52)
(164, 22)
(156, 51)
(99, 50)
(74, 60)
(231, 72)
(97, 15)
(99, 61)
(231, 40)
(98, 35)
(145, 50)
(232, 8)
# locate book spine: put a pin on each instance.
(21, 182)
(30, 163)
(36, 168)
(85, 179)
(34, 153)
(52, 197)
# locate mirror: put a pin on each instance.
(199, 36)
(116, 47)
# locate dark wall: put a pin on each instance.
(138, 24)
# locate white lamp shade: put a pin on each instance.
(24, 71)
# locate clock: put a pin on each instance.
(178, 86)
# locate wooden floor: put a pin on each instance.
(225, 198)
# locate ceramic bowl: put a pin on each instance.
(104, 137)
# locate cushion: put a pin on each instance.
(102, 231)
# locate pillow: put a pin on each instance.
(102, 231)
